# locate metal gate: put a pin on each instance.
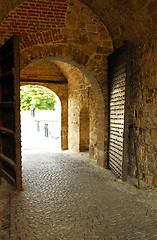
(118, 110)
(10, 142)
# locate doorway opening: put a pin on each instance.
(84, 131)
(40, 118)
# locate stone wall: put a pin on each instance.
(143, 117)
(81, 96)
(83, 38)
(86, 45)
(84, 130)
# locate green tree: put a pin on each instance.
(36, 97)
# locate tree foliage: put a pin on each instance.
(36, 97)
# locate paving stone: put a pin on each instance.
(67, 196)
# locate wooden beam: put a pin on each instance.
(7, 132)
(8, 175)
(43, 81)
(7, 159)
(6, 75)
(7, 105)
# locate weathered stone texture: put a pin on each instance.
(144, 95)
(83, 35)
(81, 96)
(121, 18)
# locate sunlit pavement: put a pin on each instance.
(38, 141)
(67, 196)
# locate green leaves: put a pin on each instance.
(36, 97)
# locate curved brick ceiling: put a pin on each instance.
(33, 16)
(45, 21)
(130, 20)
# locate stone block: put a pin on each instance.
(93, 28)
(149, 179)
(71, 20)
(147, 137)
(103, 50)
(154, 18)
(155, 180)
(154, 137)
(83, 39)
(152, 7)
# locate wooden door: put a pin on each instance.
(10, 139)
(119, 74)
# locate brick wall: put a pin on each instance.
(143, 116)
(34, 20)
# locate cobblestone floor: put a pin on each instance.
(5, 196)
(67, 196)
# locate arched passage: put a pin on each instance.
(80, 78)
(44, 73)
(81, 27)
(40, 126)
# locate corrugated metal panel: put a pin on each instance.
(117, 84)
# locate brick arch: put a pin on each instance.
(42, 22)
(102, 118)
(63, 53)
(34, 53)
(95, 63)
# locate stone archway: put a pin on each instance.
(92, 27)
(101, 122)
(40, 128)
(47, 74)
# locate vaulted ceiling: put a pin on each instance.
(130, 20)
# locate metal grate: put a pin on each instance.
(117, 87)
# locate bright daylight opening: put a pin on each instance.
(40, 118)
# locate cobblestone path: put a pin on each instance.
(67, 196)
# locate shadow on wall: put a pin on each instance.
(84, 130)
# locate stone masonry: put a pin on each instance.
(66, 196)
(78, 36)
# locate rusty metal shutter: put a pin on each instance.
(10, 143)
(118, 117)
